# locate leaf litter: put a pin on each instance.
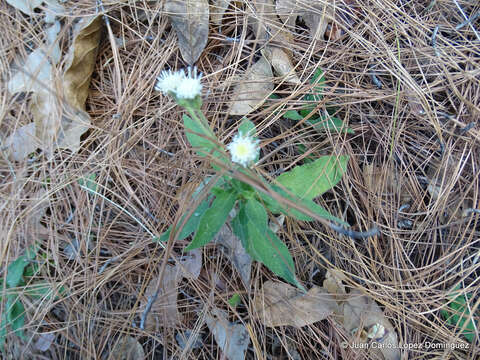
(162, 297)
(190, 21)
(232, 338)
(56, 123)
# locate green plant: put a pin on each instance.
(18, 281)
(232, 194)
(321, 122)
(458, 313)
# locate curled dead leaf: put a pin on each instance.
(317, 19)
(54, 122)
(21, 142)
(333, 284)
(233, 339)
(192, 264)
(288, 11)
(364, 318)
(127, 348)
(383, 180)
(280, 304)
(164, 310)
(26, 6)
(189, 18)
(233, 248)
(218, 10)
(281, 63)
(254, 88)
(81, 61)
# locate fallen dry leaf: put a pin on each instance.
(276, 224)
(218, 10)
(267, 28)
(164, 309)
(288, 11)
(21, 142)
(254, 88)
(55, 123)
(44, 341)
(81, 60)
(316, 15)
(280, 304)
(189, 18)
(333, 284)
(26, 6)
(383, 180)
(127, 348)
(192, 264)
(442, 175)
(317, 19)
(362, 315)
(281, 63)
(233, 339)
(233, 248)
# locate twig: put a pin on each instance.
(376, 81)
(355, 234)
(466, 128)
(150, 302)
(109, 261)
(469, 211)
(467, 22)
(467, 19)
(434, 40)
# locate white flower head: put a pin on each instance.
(189, 87)
(243, 149)
(168, 81)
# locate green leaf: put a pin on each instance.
(15, 271)
(43, 290)
(247, 128)
(3, 331)
(302, 150)
(191, 225)
(330, 123)
(293, 115)
(235, 300)
(313, 179)
(459, 313)
(16, 315)
(89, 182)
(200, 138)
(213, 219)
(276, 208)
(261, 243)
(318, 80)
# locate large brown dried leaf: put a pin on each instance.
(59, 122)
(233, 339)
(280, 304)
(189, 18)
(317, 20)
(236, 252)
(21, 142)
(316, 15)
(81, 61)
(164, 310)
(254, 88)
(26, 6)
(127, 348)
(218, 10)
(281, 63)
(288, 11)
(266, 26)
(363, 317)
